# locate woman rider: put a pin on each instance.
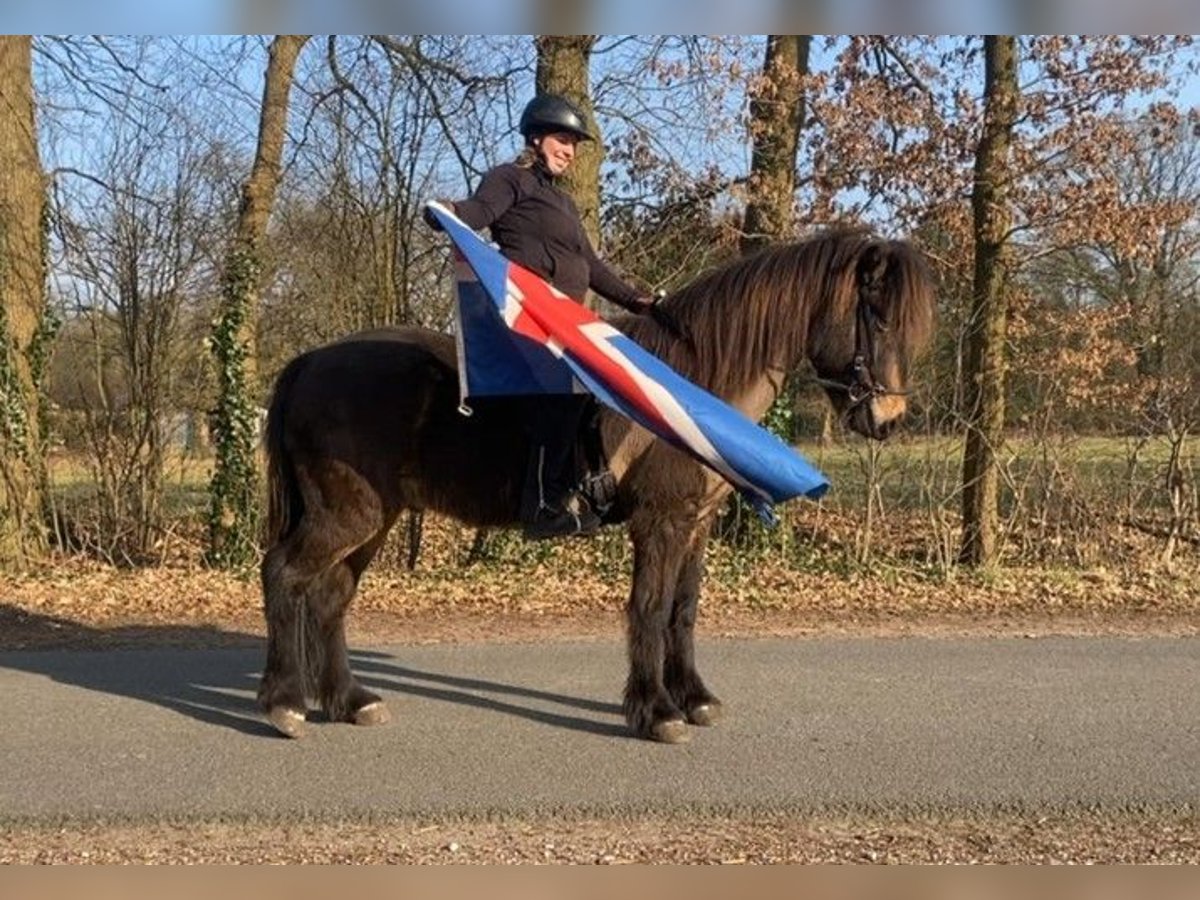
(538, 226)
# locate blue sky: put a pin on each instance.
(728, 150)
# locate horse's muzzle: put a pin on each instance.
(874, 418)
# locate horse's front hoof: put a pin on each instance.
(372, 714)
(707, 713)
(287, 721)
(671, 731)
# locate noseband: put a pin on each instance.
(858, 382)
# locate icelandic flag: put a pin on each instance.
(519, 335)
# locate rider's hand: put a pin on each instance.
(652, 306)
(645, 305)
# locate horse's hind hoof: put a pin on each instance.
(672, 731)
(372, 714)
(287, 721)
(707, 713)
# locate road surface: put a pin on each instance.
(903, 726)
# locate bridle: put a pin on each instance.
(858, 382)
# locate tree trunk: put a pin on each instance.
(562, 68)
(987, 327)
(776, 120)
(23, 310)
(233, 519)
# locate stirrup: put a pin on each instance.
(600, 489)
(574, 517)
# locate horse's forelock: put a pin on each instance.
(907, 290)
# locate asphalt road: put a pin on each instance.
(899, 726)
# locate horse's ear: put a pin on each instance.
(872, 267)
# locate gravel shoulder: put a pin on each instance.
(721, 841)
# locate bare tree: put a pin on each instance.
(776, 119)
(674, 133)
(135, 259)
(233, 519)
(563, 67)
(23, 311)
(984, 371)
(388, 123)
(350, 234)
(777, 115)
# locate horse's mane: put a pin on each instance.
(762, 310)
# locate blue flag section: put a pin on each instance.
(518, 335)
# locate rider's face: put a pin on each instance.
(558, 150)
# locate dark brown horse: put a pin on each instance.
(365, 428)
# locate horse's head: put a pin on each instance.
(863, 348)
(860, 308)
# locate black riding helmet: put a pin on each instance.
(548, 113)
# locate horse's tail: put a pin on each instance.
(285, 504)
(285, 508)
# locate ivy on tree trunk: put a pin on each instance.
(26, 327)
(234, 514)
